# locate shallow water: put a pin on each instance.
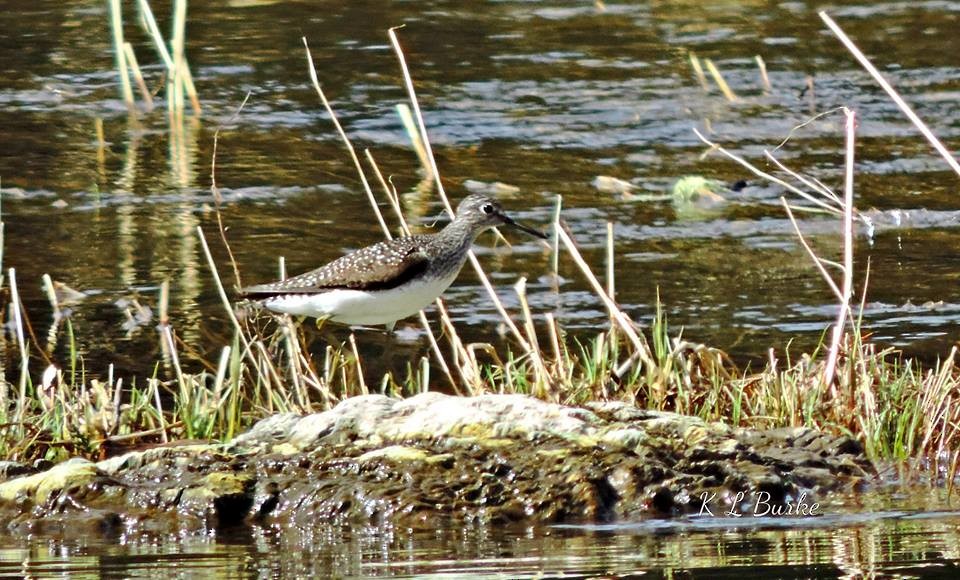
(863, 539)
(544, 96)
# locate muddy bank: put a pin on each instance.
(494, 458)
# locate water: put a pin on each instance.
(884, 543)
(544, 96)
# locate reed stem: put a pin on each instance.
(116, 26)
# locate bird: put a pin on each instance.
(390, 280)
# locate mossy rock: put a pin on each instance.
(487, 459)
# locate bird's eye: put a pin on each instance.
(487, 208)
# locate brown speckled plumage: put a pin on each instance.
(393, 263)
(381, 266)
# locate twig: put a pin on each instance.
(343, 136)
(718, 78)
(766, 175)
(622, 320)
(138, 76)
(21, 342)
(179, 78)
(393, 199)
(555, 241)
(813, 184)
(763, 73)
(373, 202)
(223, 297)
(410, 126)
(166, 334)
(156, 399)
(796, 128)
(847, 287)
(51, 293)
(293, 354)
(907, 110)
(408, 81)
(151, 25)
(177, 40)
(187, 78)
(395, 204)
(164, 303)
(611, 292)
(356, 356)
(222, 368)
(116, 25)
(541, 386)
(698, 71)
(817, 261)
(217, 198)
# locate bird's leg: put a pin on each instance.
(389, 354)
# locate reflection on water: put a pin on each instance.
(543, 97)
(836, 545)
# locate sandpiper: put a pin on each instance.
(391, 280)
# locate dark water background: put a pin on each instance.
(544, 96)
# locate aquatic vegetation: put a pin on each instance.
(179, 84)
(897, 408)
(433, 458)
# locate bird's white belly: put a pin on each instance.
(363, 307)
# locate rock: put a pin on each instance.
(40, 488)
(374, 460)
(10, 469)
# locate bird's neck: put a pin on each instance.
(455, 239)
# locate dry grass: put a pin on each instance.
(898, 409)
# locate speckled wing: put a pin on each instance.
(381, 266)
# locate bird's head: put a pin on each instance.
(482, 212)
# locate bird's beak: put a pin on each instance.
(535, 233)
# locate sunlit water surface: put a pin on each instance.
(545, 97)
(865, 540)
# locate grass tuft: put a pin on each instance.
(899, 409)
